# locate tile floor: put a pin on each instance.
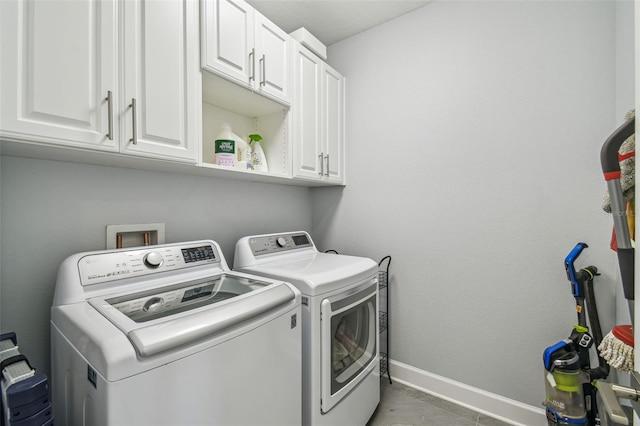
(403, 406)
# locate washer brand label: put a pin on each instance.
(225, 146)
(294, 320)
(92, 376)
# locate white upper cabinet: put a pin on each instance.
(58, 65)
(273, 56)
(333, 123)
(240, 44)
(227, 39)
(126, 77)
(307, 129)
(65, 80)
(159, 106)
(318, 126)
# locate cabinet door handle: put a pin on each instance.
(252, 63)
(263, 71)
(134, 126)
(109, 116)
(327, 158)
(321, 157)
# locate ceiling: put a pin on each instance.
(333, 20)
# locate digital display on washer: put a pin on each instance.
(196, 254)
(198, 292)
(300, 240)
(170, 300)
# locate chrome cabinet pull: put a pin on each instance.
(252, 60)
(327, 158)
(321, 163)
(109, 116)
(134, 126)
(263, 81)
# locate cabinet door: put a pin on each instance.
(159, 78)
(333, 123)
(228, 39)
(307, 126)
(58, 63)
(273, 59)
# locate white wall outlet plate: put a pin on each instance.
(146, 234)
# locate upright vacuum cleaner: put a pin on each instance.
(569, 378)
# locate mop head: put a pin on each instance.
(617, 348)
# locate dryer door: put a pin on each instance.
(349, 330)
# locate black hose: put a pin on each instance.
(602, 371)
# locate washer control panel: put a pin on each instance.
(146, 306)
(269, 244)
(122, 264)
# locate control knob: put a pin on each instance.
(281, 242)
(153, 259)
(153, 304)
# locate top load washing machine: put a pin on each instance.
(341, 370)
(168, 335)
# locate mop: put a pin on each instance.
(617, 348)
(618, 163)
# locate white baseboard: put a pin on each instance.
(487, 403)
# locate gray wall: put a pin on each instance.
(625, 56)
(474, 131)
(51, 210)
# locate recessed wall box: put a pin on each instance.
(305, 38)
(146, 234)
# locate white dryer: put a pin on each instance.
(168, 335)
(341, 370)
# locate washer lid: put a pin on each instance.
(172, 316)
(316, 273)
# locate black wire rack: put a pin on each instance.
(383, 315)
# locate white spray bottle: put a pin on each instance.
(258, 159)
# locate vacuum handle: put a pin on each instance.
(571, 270)
(609, 152)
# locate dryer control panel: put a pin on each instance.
(268, 244)
(122, 264)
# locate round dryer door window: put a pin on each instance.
(353, 343)
(349, 340)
